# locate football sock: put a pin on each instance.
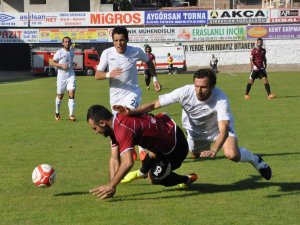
(248, 88)
(174, 179)
(268, 89)
(147, 164)
(57, 105)
(247, 156)
(71, 105)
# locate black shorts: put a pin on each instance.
(258, 74)
(147, 73)
(164, 164)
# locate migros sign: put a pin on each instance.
(122, 18)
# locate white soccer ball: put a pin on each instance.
(43, 176)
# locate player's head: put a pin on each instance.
(169, 54)
(259, 42)
(66, 42)
(99, 119)
(204, 80)
(213, 55)
(120, 39)
(148, 49)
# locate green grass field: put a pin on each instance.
(226, 193)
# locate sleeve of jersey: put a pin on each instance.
(172, 97)
(125, 139)
(56, 56)
(223, 108)
(103, 61)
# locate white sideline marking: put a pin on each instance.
(232, 74)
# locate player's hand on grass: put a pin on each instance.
(157, 86)
(105, 191)
(122, 110)
(208, 153)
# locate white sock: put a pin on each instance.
(71, 105)
(247, 156)
(57, 105)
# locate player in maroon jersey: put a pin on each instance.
(159, 134)
(147, 73)
(258, 62)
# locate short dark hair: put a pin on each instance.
(206, 73)
(65, 38)
(97, 113)
(148, 46)
(120, 30)
(259, 39)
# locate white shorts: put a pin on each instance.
(198, 145)
(67, 84)
(131, 101)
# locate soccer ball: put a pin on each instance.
(43, 176)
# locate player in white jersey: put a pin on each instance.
(63, 60)
(120, 60)
(207, 119)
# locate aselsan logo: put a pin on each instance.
(287, 13)
(5, 17)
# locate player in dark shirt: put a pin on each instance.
(147, 73)
(258, 62)
(159, 134)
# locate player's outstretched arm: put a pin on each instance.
(148, 107)
(108, 190)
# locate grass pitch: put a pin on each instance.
(226, 193)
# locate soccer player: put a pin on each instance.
(170, 64)
(214, 63)
(159, 134)
(207, 119)
(63, 60)
(147, 73)
(258, 62)
(121, 61)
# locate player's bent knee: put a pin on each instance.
(233, 156)
(160, 170)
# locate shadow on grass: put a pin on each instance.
(71, 193)
(190, 160)
(17, 76)
(285, 189)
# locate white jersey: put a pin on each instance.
(127, 83)
(200, 118)
(65, 57)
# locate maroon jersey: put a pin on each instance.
(155, 133)
(258, 56)
(151, 57)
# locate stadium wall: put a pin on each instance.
(279, 53)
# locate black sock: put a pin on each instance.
(174, 179)
(248, 88)
(268, 88)
(147, 164)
